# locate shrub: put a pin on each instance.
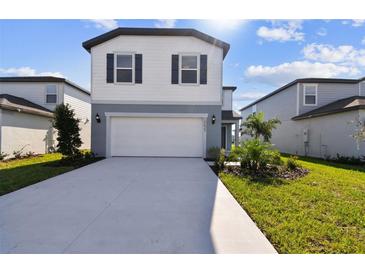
(348, 160)
(258, 155)
(18, 153)
(213, 153)
(292, 163)
(68, 130)
(3, 155)
(219, 162)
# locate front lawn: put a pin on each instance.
(16, 174)
(323, 212)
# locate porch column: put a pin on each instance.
(236, 133)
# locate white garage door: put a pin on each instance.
(156, 136)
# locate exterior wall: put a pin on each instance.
(34, 92)
(228, 136)
(331, 134)
(156, 87)
(227, 100)
(18, 130)
(98, 130)
(80, 102)
(328, 93)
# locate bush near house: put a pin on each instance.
(68, 130)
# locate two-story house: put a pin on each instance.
(26, 112)
(157, 92)
(318, 116)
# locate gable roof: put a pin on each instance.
(347, 104)
(15, 103)
(51, 79)
(306, 80)
(155, 32)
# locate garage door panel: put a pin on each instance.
(156, 136)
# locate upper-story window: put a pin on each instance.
(310, 94)
(189, 69)
(51, 94)
(124, 68)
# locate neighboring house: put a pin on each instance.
(26, 111)
(317, 116)
(156, 92)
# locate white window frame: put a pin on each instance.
(197, 55)
(115, 68)
(46, 93)
(316, 94)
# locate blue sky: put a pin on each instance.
(264, 54)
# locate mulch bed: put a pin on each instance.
(271, 172)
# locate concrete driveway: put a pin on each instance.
(129, 205)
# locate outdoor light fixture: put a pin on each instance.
(97, 118)
(213, 119)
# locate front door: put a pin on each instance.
(224, 137)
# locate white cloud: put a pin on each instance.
(282, 31)
(249, 95)
(27, 71)
(355, 23)
(165, 23)
(344, 54)
(322, 32)
(287, 72)
(358, 22)
(105, 24)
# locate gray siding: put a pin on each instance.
(98, 130)
(362, 88)
(328, 93)
(328, 135)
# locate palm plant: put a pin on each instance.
(256, 126)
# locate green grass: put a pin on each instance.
(16, 174)
(323, 212)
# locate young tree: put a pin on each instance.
(68, 130)
(257, 127)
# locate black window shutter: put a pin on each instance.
(203, 69)
(110, 68)
(174, 69)
(138, 67)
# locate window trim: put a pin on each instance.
(116, 53)
(316, 94)
(197, 55)
(46, 93)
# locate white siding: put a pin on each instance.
(80, 102)
(34, 92)
(156, 86)
(227, 100)
(19, 130)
